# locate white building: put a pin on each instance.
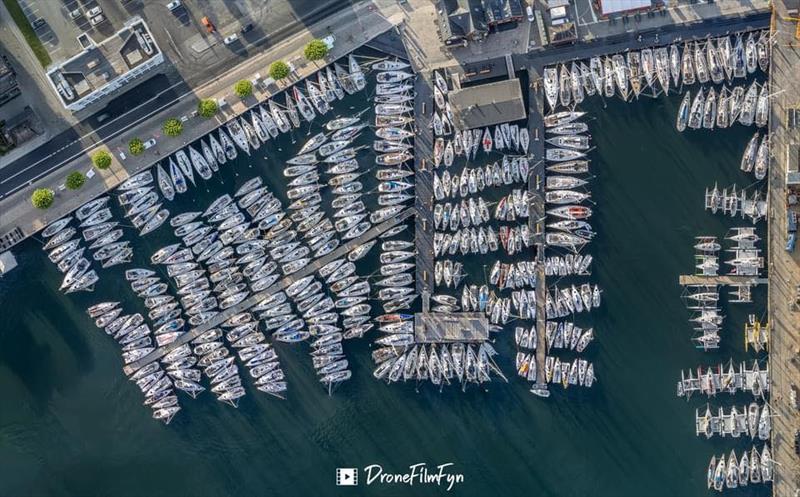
(101, 69)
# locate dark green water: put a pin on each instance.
(71, 424)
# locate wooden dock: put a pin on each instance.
(282, 283)
(536, 182)
(692, 279)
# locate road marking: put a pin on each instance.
(110, 137)
(98, 129)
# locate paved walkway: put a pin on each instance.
(784, 268)
(281, 284)
(423, 181)
(16, 210)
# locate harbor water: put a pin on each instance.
(72, 424)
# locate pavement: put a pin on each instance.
(784, 267)
(351, 28)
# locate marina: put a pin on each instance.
(309, 279)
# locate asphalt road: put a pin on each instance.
(160, 92)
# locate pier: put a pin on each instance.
(282, 283)
(695, 279)
(536, 218)
(784, 267)
(423, 182)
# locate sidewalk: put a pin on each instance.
(16, 210)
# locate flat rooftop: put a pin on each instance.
(102, 63)
(608, 7)
(487, 104)
(438, 327)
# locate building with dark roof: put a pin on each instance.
(502, 11)
(9, 88)
(461, 21)
(488, 104)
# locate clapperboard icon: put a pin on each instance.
(346, 477)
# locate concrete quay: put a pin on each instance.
(784, 267)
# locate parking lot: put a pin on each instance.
(58, 25)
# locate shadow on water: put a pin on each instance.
(627, 436)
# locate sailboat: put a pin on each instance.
(165, 183)
(683, 112)
(177, 177)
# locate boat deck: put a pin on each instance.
(254, 299)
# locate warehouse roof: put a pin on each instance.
(488, 104)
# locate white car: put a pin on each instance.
(94, 12)
(328, 41)
(174, 4)
(150, 143)
(230, 39)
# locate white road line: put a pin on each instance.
(110, 137)
(98, 129)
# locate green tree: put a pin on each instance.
(136, 146)
(75, 180)
(243, 88)
(278, 70)
(207, 107)
(42, 198)
(101, 159)
(172, 127)
(315, 50)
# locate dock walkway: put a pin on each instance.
(423, 177)
(537, 215)
(282, 283)
(696, 279)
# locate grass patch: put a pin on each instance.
(27, 31)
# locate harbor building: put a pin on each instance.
(450, 328)
(461, 21)
(487, 104)
(105, 68)
(614, 8)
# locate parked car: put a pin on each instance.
(791, 241)
(94, 21)
(150, 143)
(174, 4)
(37, 23)
(230, 39)
(96, 11)
(529, 11)
(328, 41)
(247, 28)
